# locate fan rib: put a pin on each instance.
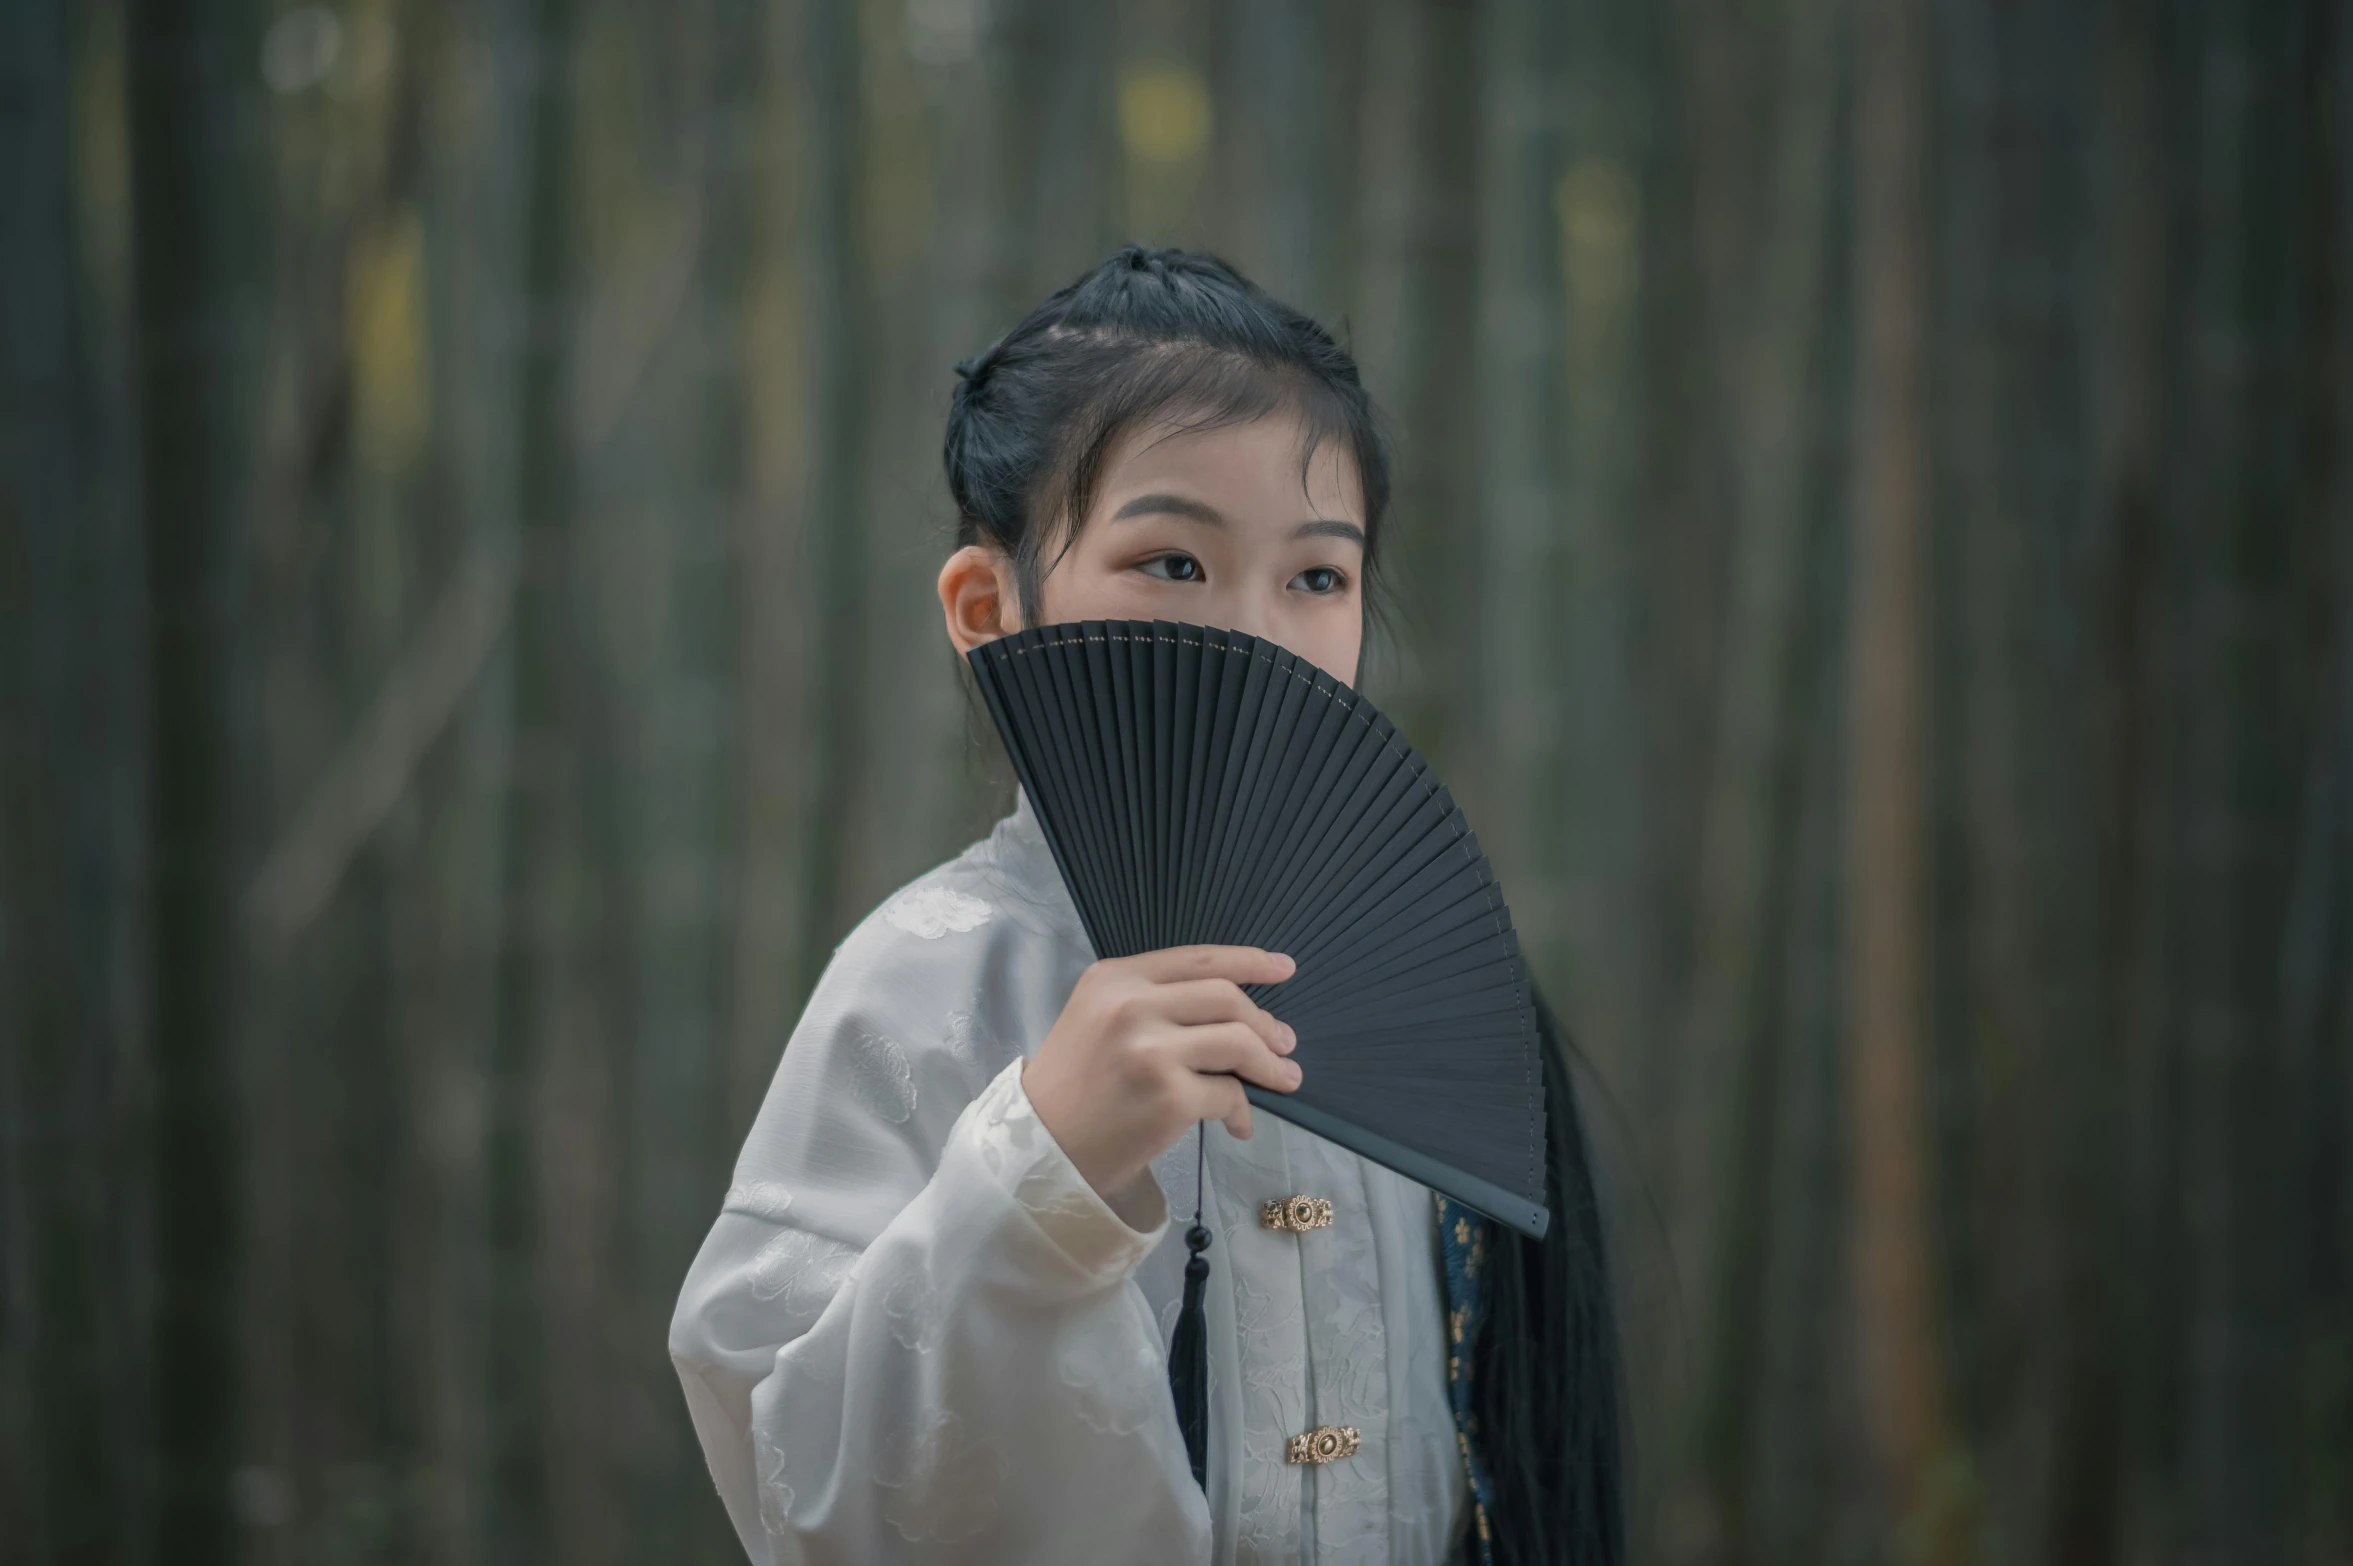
(1000, 687)
(1041, 682)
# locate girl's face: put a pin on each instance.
(1209, 526)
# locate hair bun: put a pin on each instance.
(1150, 260)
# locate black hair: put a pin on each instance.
(1147, 333)
(1152, 333)
(1546, 1394)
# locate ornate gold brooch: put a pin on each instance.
(1296, 1213)
(1323, 1444)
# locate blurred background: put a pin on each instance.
(1873, 553)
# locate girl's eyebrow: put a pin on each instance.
(1330, 527)
(1171, 505)
(1203, 511)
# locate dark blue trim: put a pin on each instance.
(1462, 1239)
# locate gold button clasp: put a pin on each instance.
(1323, 1444)
(1295, 1213)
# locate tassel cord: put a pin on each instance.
(1188, 1350)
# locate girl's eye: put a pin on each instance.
(1320, 579)
(1173, 568)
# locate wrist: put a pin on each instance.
(1137, 1200)
(1112, 1176)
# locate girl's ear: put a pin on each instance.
(978, 596)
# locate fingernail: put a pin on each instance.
(1296, 1073)
(1289, 966)
(1290, 1038)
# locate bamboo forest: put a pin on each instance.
(1872, 554)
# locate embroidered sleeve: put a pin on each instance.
(1023, 1157)
(914, 1325)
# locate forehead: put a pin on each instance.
(1271, 462)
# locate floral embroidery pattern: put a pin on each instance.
(1048, 1192)
(933, 911)
(758, 1199)
(946, 1481)
(775, 1264)
(802, 1269)
(965, 1040)
(776, 1497)
(1005, 1131)
(913, 1306)
(881, 1077)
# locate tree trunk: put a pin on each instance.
(2245, 535)
(72, 680)
(1763, 320)
(1516, 548)
(776, 692)
(186, 74)
(838, 320)
(672, 1120)
(541, 897)
(1887, 899)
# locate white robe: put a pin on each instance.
(916, 1333)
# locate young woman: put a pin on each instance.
(932, 1320)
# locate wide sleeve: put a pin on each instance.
(914, 1324)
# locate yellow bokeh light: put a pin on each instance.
(385, 321)
(1163, 113)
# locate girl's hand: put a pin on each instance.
(1147, 1046)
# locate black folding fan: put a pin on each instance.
(1200, 785)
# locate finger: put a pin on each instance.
(1198, 1002)
(1216, 1097)
(1241, 964)
(1230, 1105)
(1235, 1047)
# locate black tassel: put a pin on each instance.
(1188, 1351)
(1188, 1359)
